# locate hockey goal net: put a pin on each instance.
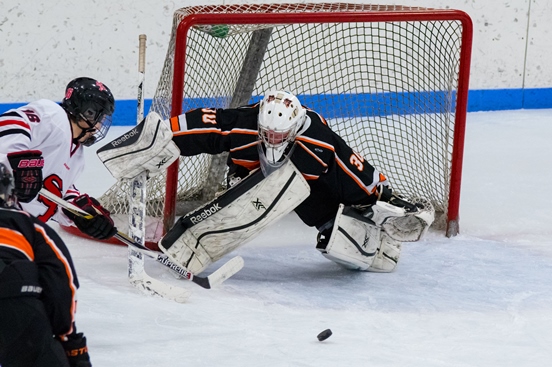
(391, 80)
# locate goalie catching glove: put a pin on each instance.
(100, 226)
(402, 220)
(147, 147)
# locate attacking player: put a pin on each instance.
(284, 157)
(38, 287)
(43, 144)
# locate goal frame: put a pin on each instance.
(379, 15)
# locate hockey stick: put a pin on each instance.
(137, 196)
(217, 277)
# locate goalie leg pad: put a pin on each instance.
(354, 240)
(356, 243)
(388, 255)
(237, 216)
(147, 147)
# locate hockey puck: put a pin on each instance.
(324, 335)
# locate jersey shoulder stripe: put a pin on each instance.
(10, 238)
(13, 123)
(245, 146)
(14, 132)
(306, 149)
(313, 141)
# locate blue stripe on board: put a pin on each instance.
(383, 104)
(371, 104)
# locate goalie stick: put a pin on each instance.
(217, 277)
(137, 197)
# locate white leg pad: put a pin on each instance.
(356, 243)
(388, 255)
(237, 216)
(353, 242)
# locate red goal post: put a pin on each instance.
(391, 80)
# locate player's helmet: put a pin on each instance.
(7, 197)
(92, 101)
(281, 117)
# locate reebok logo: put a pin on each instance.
(206, 213)
(123, 138)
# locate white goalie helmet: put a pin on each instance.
(281, 119)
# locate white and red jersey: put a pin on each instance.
(43, 125)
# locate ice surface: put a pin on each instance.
(483, 298)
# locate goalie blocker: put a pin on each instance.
(147, 147)
(207, 234)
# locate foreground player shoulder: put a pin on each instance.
(18, 220)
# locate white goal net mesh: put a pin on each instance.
(387, 86)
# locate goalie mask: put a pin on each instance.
(89, 100)
(281, 119)
(7, 197)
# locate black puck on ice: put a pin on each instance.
(324, 335)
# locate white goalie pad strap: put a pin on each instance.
(237, 216)
(387, 258)
(147, 147)
(354, 240)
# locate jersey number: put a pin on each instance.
(54, 184)
(32, 116)
(209, 116)
(357, 161)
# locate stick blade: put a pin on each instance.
(154, 287)
(226, 271)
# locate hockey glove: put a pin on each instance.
(27, 173)
(76, 350)
(101, 226)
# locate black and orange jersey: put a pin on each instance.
(37, 263)
(336, 174)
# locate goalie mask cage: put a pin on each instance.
(391, 80)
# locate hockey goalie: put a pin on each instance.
(283, 157)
